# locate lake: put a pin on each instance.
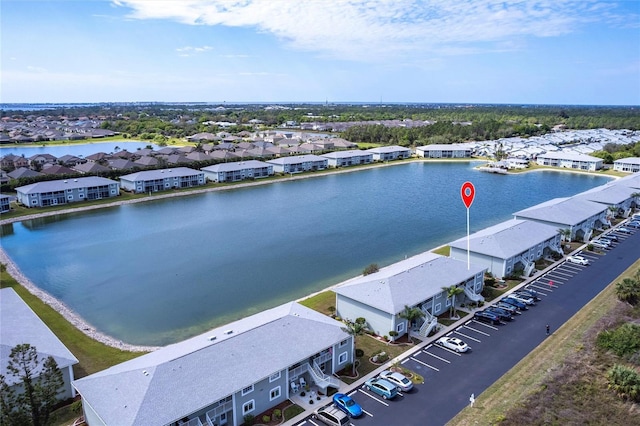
(157, 272)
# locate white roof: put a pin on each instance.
(236, 165)
(18, 325)
(507, 239)
(161, 174)
(297, 159)
(347, 154)
(565, 211)
(572, 156)
(387, 149)
(444, 147)
(177, 380)
(62, 184)
(407, 282)
(628, 160)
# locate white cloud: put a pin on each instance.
(373, 30)
(192, 50)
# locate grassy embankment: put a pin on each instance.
(93, 355)
(533, 381)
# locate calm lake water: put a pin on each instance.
(157, 272)
(79, 150)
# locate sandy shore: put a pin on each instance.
(79, 322)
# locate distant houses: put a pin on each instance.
(570, 160)
(627, 165)
(237, 171)
(390, 153)
(56, 192)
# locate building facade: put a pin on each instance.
(56, 192)
(162, 180)
(237, 171)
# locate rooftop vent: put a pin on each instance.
(228, 331)
(211, 338)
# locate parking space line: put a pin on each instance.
(485, 325)
(366, 412)
(425, 364)
(541, 293)
(352, 392)
(373, 397)
(468, 337)
(436, 356)
(564, 273)
(477, 331)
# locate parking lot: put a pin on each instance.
(451, 378)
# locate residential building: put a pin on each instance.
(54, 192)
(348, 158)
(299, 163)
(508, 246)
(417, 282)
(389, 153)
(162, 180)
(570, 160)
(617, 198)
(236, 171)
(578, 215)
(218, 377)
(5, 205)
(20, 325)
(454, 150)
(630, 165)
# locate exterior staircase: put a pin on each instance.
(430, 322)
(321, 380)
(473, 295)
(528, 268)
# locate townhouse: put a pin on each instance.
(243, 368)
(454, 150)
(162, 180)
(299, 163)
(20, 325)
(55, 192)
(389, 153)
(508, 246)
(5, 205)
(348, 158)
(416, 282)
(237, 171)
(628, 165)
(570, 160)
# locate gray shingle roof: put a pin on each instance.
(160, 174)
(407, 282)
(236, 165)
(566, 211)
(507, 239)
(19, 324)
(188, 376)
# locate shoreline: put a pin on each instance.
(82, 325)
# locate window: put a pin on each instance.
(448, 302)
(342, 358)
(274, 377)
(438, 307)
(247, 390)
(248, 407)
(400, 327)
(275, 393)
(343, 343)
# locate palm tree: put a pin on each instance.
(636, 196)
(411, 315)
(612, 211)
(565, 233)
(452, 292)
(628, 290)
(354, 329)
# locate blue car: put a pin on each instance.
(348, 405)
(382, 387)
(518, 304)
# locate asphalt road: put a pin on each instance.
(451, 378)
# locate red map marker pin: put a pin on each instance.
(468, 192)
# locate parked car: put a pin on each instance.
(382, 387)
(331, 415)
(578, 260)
(401, 381)
(453, 343)
(346, 404)
(509, 308)
(633, 224)
(503, 314)
(523, 298)
(520, 305)
(600, 244)
(530, 292)
(486, 316)
(612, 237)
(624, 230)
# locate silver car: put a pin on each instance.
(400, 380)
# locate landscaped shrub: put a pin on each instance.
(371, 269)
(625, 381)
(624, 341)
(248, 419)
(359, 353)
(277, 414)
(266, 418)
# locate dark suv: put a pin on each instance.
(486, 316)
(503, 314)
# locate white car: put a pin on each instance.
(400, 380)
(600, 244)
(523, 299)
(624, 230)
(453, 343)
(578, 260)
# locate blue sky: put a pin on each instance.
(459, 51)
